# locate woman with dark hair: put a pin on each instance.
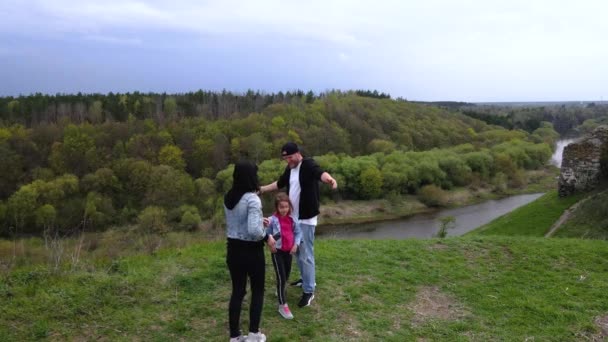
(245, 253)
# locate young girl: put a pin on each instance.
(287, 234)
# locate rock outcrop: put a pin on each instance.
(581, 170)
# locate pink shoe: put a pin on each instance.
(285, 312)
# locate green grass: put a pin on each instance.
(533, 219)
(455, 289)
(589, 220)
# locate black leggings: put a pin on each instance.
(245, 259)
(282, 268)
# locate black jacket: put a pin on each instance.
(310, 175)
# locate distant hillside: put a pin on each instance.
(542, 103)
(568, 118)
(115, 161)
(446, 104)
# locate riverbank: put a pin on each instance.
(399, 207)
(534, 219)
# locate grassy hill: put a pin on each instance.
(586, 220)
(467, 288)
(589, 220)
(533, 219)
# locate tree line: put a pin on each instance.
(566, 120)
(38, 108)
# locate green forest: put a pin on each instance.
(92, 161)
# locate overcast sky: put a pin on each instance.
(431, 50)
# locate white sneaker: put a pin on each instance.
(285, 312)
(238, 339)
(257, 337)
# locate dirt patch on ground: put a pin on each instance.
(507, 253)
(602, 324)
(351, 331)
(430, 303)
(475, 254)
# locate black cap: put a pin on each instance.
(289, 149)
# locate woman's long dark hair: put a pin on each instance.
(244, 179)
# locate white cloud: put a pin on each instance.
(113, 40)
(302, 21)
(343, 57)
(346, 23)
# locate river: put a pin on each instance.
(426, 225)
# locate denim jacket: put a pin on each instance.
(245, 221)
(274, 229)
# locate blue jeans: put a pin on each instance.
(306, 258)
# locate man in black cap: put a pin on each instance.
(301, 180)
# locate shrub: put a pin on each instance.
(190, 219)
(371, 179)
(153, 219)
(518, 179)
(447, 222)
(432, 196)
(499, 181)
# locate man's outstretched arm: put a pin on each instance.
(270, 187)
(328, 179)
